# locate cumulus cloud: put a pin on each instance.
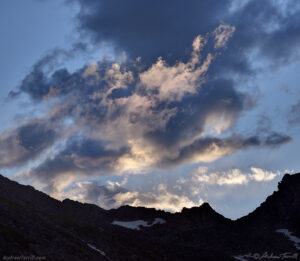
(262, 175)
(232, 176)
(171, 83)
(121, 117)
(113, 195)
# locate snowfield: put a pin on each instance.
(136, 224)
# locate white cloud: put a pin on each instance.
(232, 176)
(172, 82)
(222, 33)
(263, 175)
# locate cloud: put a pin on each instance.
(275, 139)
(262, 175)
(151, 30)
(26, 142)
(185, 194)
(80, 158)
(175, 100)
(283, 42)
(114, 195)
(210, 149)
(37, 83)
(222, 33)
(171, 83)
(120, 117)
(232, 176)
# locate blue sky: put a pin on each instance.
(163, 105)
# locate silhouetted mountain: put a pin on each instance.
(279, 209)
(32, 224)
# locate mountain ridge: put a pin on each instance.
(31, 222)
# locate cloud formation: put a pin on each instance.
(175, 101)
(26, 142)
(232, 177)
(36, 83)
(121, 117)
(185, 192)
(114, 195)
(150, 30)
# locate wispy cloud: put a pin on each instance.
(232, 176)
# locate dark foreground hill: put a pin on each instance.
(34, 226)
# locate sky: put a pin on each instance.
(163, 104)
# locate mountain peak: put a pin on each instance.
(30, 221)
(204, 207)
(289, 180)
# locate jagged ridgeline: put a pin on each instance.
(32, 224)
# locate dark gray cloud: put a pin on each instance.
(35, 136)
(80, 157)
(37, 83)
(267, 135)
(38, 86)
(156, 28)
(276, 139)
(150, 29)
(209, 149)
(215, 97)
(25, 143)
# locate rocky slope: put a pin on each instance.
(32, 224)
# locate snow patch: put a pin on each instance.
(240, 258)
(96, 249)
(136, 224)
(292, 238)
